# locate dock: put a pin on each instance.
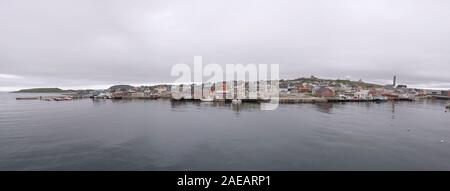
(367, 100)
(294, 100)
(441, 97)
(27, 98)
(302, 100)
(50, 98)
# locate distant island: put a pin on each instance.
(44, 90)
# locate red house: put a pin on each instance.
(324, 92)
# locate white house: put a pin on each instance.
(363, 94)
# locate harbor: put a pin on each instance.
(296, 91)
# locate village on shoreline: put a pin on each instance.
(301, 90)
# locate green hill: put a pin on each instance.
(344, 82)
(41, 90)
(120, 87)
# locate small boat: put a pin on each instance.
(379, 99)
(236, 101)
(447, 106)
(207, 99)
(176, 96)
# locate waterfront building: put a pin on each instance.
(222, 91)
(161, 88)
(389, 87)
(120, 94)
(446, 93)
(137, 94)
(434, 92)
(363, 94)
(323, 92)
(422, 93)
(284, 90)
(402, 87)
(305, 88)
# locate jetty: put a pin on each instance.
(50, 98)
(27, 98)
(368, 100)
(441, 97)
(294, 100)
(302, 100)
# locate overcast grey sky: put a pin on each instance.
(86, 44)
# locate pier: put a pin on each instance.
(441, 97)
(27, 98)
(367, 100)
(50, 98)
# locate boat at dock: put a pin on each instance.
(57, 98)
(68, 98)
(380, 99)
(236, 101)
(207, 99)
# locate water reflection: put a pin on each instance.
(320, 107)
(393, 110)
(99, 102)
(245, 107)
(155, 135)
(324, 107)
(219, 105)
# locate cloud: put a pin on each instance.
(10, 77)
(84, 43)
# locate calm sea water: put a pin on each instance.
(162, 135)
